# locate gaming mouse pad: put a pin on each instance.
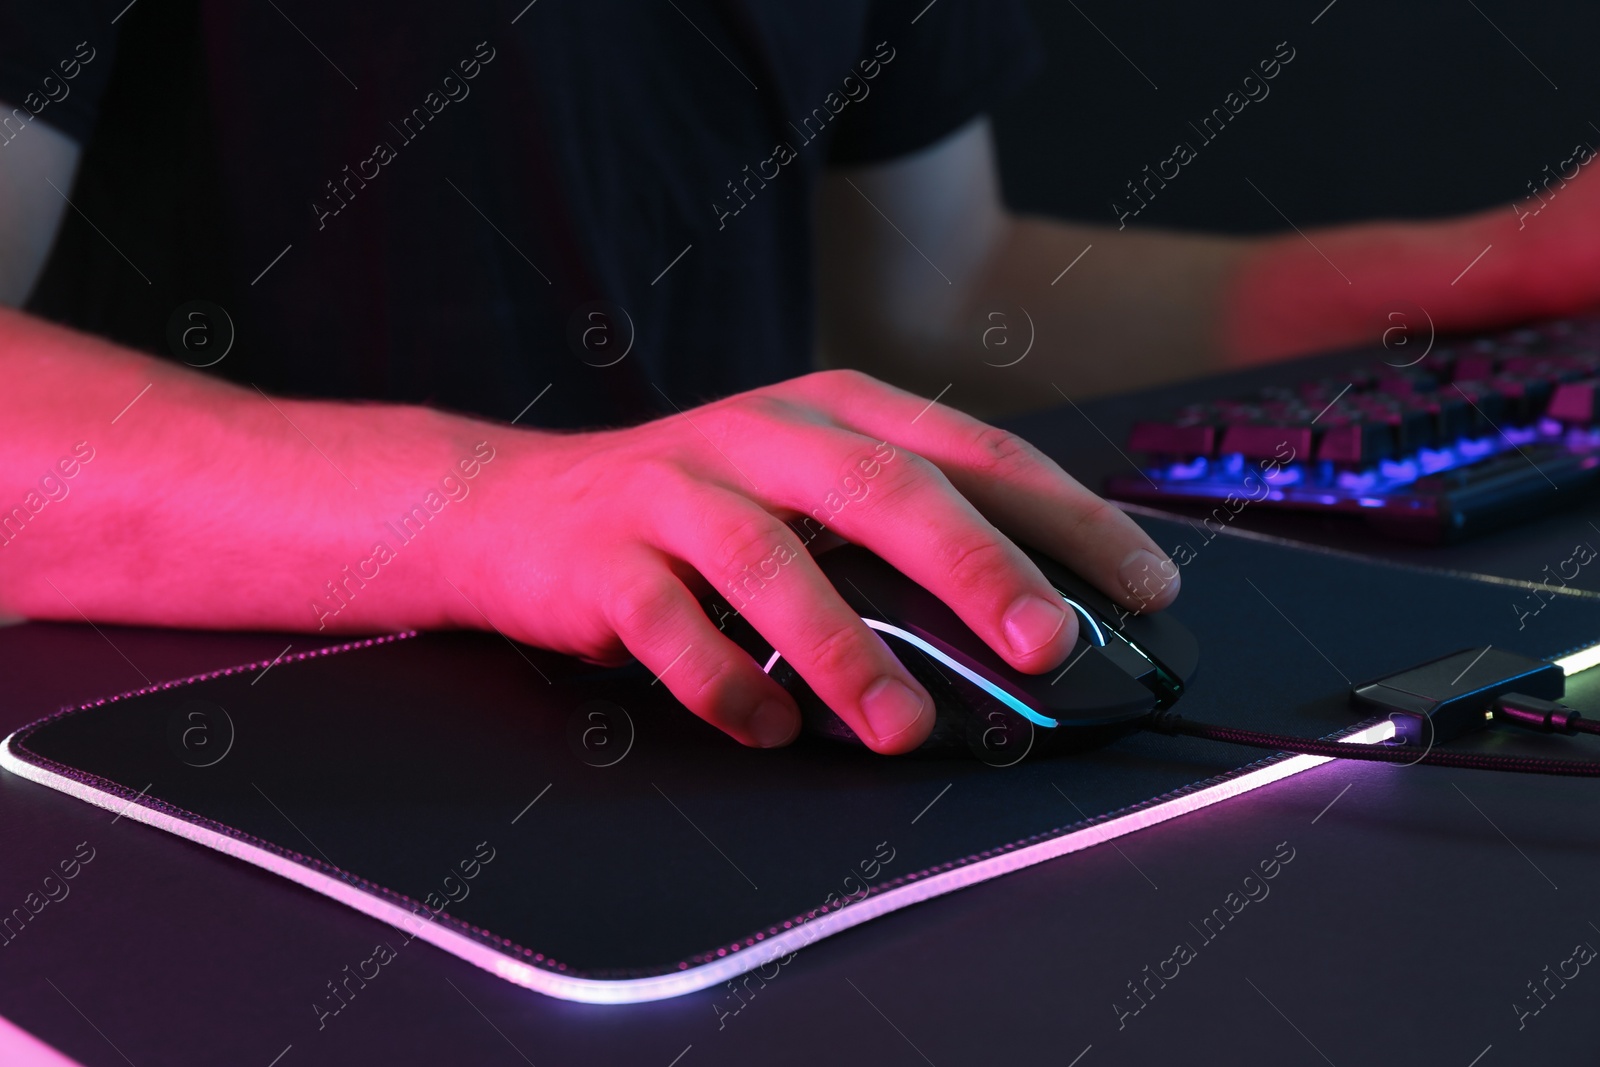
(575, 831)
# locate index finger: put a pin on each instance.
(1016, 486)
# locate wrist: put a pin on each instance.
(404, 525)
(490, 485)
(1283, 296)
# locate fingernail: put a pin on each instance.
(773, 724)
(891, 708)
(1032, 622)
(1146, 577)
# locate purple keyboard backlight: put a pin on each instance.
(1475, 424)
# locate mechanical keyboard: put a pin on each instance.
(1477, 433)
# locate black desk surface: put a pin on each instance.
(1419, 905)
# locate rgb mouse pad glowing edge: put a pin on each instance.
(466, 792)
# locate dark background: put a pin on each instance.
(1387, 110)
(1415, 110)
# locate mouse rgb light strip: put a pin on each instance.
(1096, 637)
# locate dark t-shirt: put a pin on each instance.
(464, 204)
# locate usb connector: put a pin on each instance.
(1456, 694)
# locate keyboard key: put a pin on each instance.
(1574, 403)
(1167, 438)
(1485, 409)
(1450, 418)
(1356, 441)
(1411, 381)
(1474, 367)
(1524, 399)
(1268, 442)
(1413, 427)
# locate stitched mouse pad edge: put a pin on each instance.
(484, 949)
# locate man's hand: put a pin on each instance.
(597, 544)
(138, 491)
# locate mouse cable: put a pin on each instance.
(1527, 712)
(1542, 716)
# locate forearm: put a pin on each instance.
(1345, 286)
(1144, 307)
(136, 491)
(1096, 309)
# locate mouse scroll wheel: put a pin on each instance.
(1091, 629)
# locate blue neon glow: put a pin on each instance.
(1185, 471)
(970, 675)
(1404, 470)
(1096, 637)
(1435, 460)
(1283, 476)
(1526, 435)
(1357, 483)
(1325, 482)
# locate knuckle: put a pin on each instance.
(749, 541)
(839, 378)
(836, 651)
(900, 480)
(747, 420)
(708, 681)
(658, 475)
(643, 604)
(1000, 453)
(1093, 513)
(664, 477)
(666, 490)
(826, 389)
(976, 562)
(760, 407)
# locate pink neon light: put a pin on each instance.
(18, 1048)
(756, 953)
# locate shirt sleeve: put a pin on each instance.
(55, 60)
(939, 66)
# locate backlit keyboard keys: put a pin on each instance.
(1424, 443)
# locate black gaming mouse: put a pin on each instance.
(1123, 667)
